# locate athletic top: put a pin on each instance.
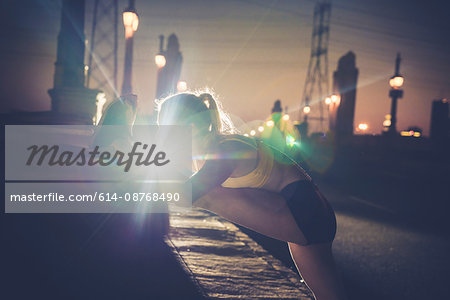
(259, 176)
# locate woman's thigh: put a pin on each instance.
(260, 210)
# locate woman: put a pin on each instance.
(240, 179)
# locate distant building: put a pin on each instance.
(342, 112)
(440, 123)
(169, 75)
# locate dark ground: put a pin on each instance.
(87, 257)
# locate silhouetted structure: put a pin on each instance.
(277, 107)
(395, 93)
(440, 124)
(103, 47)
(316, 84)
(342, 113)
(69, 95)
(169, 75)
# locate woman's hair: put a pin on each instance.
(198, 108)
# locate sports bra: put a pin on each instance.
(259, 176)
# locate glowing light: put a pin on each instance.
(286, 117)
(335, 98)
(363, 126)
(387, 117)
(387, 123)
(130, 20)
(135, 22)
(261, 128)
(86, 68)
(270, 123)
(444, 100)
(252, 133)
(396, 82)
(290, 141)
(101, 100)
(327, 100)
(181, 86)
(160, 60)
(245, 134)
(405, 133)
(410, 133)
(306, 110)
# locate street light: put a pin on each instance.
(160, 59)
(270, 123)
(328, 100)
(131, 23)
(335, 98)
(306, 109)
(396, 82)
(181, 86)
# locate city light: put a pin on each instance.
(160, 61)
(327, 100)
(387, 123)
(261, 128)
(396, 82)
(306, 109)
(252, 133)
(410, 133)
(363, 126)
(181, 86)
(335, 98)
(286, 117)
(270, 123)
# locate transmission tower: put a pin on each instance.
(103, 44)
(316, 85)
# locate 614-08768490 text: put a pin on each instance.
(96, 196)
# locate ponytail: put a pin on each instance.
(211, 104)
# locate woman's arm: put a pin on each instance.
(210, 176)
(215, 170)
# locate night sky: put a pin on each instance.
(251, 52)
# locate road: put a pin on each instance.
(390, 242)
(383, 255)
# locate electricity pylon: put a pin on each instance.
(103, 45)
(317, 84)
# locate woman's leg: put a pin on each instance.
(317, 267)
(267, 213)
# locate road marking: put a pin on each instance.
(372, 204)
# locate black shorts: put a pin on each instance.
(312, 212)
